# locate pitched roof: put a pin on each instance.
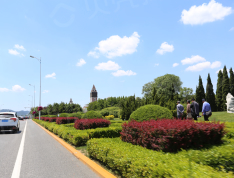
(94, 88)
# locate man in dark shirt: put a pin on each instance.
(194, 109)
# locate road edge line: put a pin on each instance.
(91, 164)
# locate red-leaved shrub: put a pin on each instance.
(45, 118)
(172, 135)
(83, 124)
(52, 119)
(65, 120)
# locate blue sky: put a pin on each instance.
(117, 45)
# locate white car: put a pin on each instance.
(9, 121)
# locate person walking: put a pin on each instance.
(206, 110)
(180, 110)
(194, 109)
(189, 114)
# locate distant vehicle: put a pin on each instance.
(21, 118)
(9, 121)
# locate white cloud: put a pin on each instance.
(4, 89)
(198, 15)
(119, 73)
(45, 91)
(157, 64)
(175, 64)
(215, 64)
(17, 88)
(51, 76)
(116, 46)
(81, 62)
(193, 59)
(20, 47)
(204, 65)
(165, 47)
(13, 52)
(110, 65)
(231, 29)
(93, 54)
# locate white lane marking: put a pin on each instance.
(18, 162)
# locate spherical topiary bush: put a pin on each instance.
(149, 112)
(91, 115)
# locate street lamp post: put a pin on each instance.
(40, 85)
(32, 100)
(34, 97)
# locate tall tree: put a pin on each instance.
(186, 93)
(219, 91)
(55, 109)
(200, 93)
(163, 85)
(210, 96)
(225, 88)
(231, 82)
(50, 109)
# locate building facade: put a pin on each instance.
(93, 95)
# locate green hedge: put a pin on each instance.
(136, 161)
(148, 112)
(80, 137)
(110, 111)
(218, 157)
(63, 115)
(91, 115)
(79, 115)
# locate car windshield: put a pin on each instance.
(6, 115)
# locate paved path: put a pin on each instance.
(40, 156)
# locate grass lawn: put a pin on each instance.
(220, 116)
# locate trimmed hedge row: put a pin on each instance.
(80, 137)
(172, 135)
(136, 161)
(218, 157)
(83, 124)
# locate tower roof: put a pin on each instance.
(94, 89)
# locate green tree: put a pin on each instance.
(231, 82)
(219, 91)
(62, 107)
(55, 109)
(225, 88)
(210, 96)
(69, 108)
(200, 93)
(185, 94)
(77, 108)
(50, 109)
(128, 110)
(163, 85)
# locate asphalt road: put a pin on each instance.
(37, 155)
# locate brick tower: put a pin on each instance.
(93, 94)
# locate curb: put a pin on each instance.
(91, 164)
